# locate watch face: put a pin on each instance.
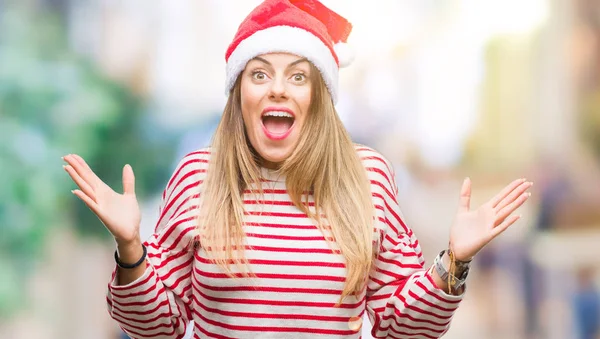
(464, 274)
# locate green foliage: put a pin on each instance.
(52, 103)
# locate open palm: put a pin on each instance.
(473, 229)
(120, 213)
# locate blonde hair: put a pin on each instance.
(324, 162)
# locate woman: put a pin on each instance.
(284, 228)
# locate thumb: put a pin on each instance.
(465, 196)
(128, 180)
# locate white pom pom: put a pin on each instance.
(344, 53)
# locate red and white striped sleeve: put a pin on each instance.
(402, 298)
(156, 305)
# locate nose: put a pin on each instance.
(278, 90)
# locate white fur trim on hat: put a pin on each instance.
(289, 40)
(345, 53)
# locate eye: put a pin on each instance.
(259, 75)
(299, 77)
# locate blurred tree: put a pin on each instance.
(590, 120)
(52, 103)
(587, 33)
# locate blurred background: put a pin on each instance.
(491, 89)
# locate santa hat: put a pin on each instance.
(302, 27)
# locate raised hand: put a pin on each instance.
(120, 213)
(473, 229)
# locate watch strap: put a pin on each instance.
(454, 282)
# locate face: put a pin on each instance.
(275, 97)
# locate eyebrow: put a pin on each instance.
(288, 66)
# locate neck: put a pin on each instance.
(270, 165)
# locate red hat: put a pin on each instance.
(302, 27)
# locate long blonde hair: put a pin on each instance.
(324, 163)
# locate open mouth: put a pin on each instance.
(277, 124)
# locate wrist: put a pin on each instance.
(452, 274)
(462, 260)
(460, 257)
(130, 252)
(124, 244)
(459, 265)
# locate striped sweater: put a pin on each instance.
(298, 278)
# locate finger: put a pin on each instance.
(84, 186)
(496, 231)
(80, 160)
(506, 191)
(465, 196)
(513, 195)
(508, 210)
(82, 168)
(128, 180)
(87, 200)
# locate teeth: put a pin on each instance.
(278, 114)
